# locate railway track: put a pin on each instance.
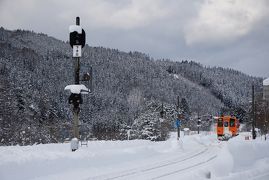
(165, 168)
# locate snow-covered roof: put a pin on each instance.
(77, 28)
(266, 82)
(77, 89)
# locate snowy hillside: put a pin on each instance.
(35, 69)
(194, 157)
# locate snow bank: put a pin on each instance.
(199, 156)
(224, 163)
(245, 153)
(56, 161)
(242, 159)
(236, 159)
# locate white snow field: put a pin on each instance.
(194, 157)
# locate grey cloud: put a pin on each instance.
(160, 28)
(219, 22)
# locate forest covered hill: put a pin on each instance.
(128, 86)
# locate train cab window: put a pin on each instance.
(220, 123)
(226, 124)
(232, 123)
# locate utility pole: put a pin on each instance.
(178, 123)
(265, 119)
(253, 114)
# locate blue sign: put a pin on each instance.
(178, 123)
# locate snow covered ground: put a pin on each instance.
(193, 157)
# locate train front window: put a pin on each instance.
(220, 123)
(232, 123)
(226, 124)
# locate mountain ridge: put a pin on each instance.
(37, 67)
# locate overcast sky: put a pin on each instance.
(226, 33)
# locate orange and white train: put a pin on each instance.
(227, 127)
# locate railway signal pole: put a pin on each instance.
(77, 38)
